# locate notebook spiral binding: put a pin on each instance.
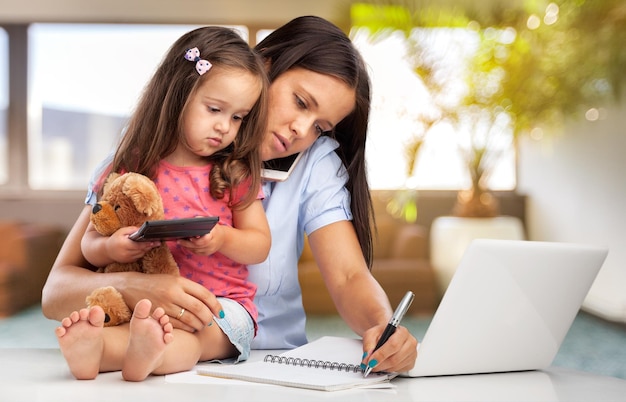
(326, 365)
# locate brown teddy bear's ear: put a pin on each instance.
(110, 179)
(144, 194)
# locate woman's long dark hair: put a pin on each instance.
(318, 45)
(155, 128)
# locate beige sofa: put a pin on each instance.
(400, 264)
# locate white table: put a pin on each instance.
(42, 375)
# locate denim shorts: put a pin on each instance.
(237, 325)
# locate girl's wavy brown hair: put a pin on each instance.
(156, 126)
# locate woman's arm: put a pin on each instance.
(72, 278)
(359, 298)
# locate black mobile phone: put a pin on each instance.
(280, 169)
(173, 229)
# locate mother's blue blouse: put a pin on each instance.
(312, 197)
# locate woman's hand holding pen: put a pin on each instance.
(396, 355)
(394, 358)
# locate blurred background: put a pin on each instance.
(480, 109)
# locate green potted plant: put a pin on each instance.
(536, 64)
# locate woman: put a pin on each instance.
(318, 104)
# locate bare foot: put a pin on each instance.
(149, 335)
(80, 339)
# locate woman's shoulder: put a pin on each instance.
(322, 166)
(323, 146)
(323, 151)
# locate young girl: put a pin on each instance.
(196, 132)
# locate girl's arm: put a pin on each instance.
(247, 242)
(359, 298)
(72, 278)
(102, 250)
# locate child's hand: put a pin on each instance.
(122, 249)
(207, 244)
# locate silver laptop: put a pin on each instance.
(508, 307)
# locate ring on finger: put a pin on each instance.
(180, 315)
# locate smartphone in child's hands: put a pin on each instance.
(173, 229)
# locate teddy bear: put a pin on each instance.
(128, 199)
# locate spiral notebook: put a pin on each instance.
(326, 364)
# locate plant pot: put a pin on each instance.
(476, 203)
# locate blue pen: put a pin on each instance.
(393, 324)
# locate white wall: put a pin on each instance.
(577, 193)
(255, 13)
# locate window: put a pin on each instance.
(262, 34)
(84, 81)
(4, 105)
(399, 99)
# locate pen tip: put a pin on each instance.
(367, 372)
